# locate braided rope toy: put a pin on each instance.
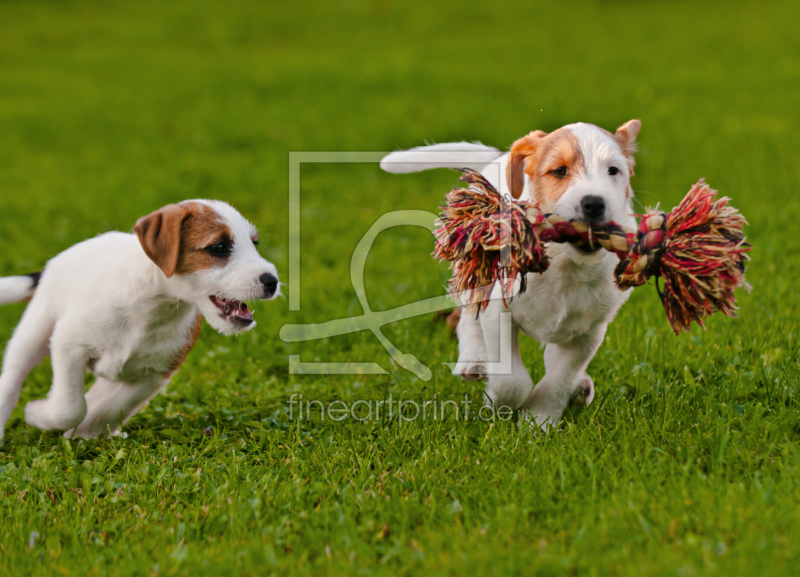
(698, 249)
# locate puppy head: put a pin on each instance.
(207, 250)
(579, 171)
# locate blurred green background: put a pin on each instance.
(109, 110)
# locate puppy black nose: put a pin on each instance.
(270, 284)
(593, 208)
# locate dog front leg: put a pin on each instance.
(65, 405)
(509, 382)
(565, 366)
(471, 348)
(110, 404)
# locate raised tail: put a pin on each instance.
(15, 289)
(472, 155)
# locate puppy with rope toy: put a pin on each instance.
(550, 221)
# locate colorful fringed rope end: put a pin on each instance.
(487, 239)
(704, 259)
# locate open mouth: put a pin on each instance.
(235, 312)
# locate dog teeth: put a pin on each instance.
(233, 309)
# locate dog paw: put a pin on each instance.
(42, 415)
(471, 371)
(36, 414)
(584, 394)
(540, 421)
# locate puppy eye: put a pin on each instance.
(220, 249)
(255, 243)
(613, 171)
(559, 172)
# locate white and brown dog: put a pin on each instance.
(579, 171)
(129, 308)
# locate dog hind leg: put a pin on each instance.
(27, 347)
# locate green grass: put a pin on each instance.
(687, 464)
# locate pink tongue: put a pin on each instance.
(244, 312)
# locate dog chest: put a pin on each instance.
(566, 302)
(147, 347)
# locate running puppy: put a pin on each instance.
(129, 308)
(579, 171)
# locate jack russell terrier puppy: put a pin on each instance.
(579, 171)
(129, 308)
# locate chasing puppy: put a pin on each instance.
(129, 308)
(579, 171)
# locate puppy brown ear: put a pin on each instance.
(626, 138)
(160, 236)
(520, 154)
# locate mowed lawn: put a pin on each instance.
(687, 464)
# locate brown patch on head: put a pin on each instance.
(176, 237)
(551, 161)
(160, 236)
(187, 347)
(203, 228)
(626, 139)
(519, 157)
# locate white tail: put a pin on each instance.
(14, 289)
(472, 155)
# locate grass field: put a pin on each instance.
(687, 464)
